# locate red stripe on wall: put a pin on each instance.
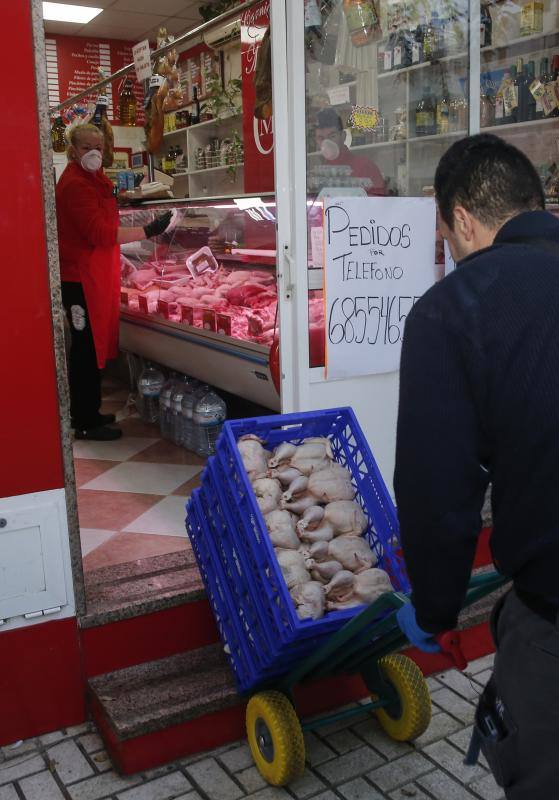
(29, 416)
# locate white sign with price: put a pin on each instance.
(379, 258)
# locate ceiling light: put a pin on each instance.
(62, 12)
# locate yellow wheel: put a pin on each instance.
(411, 716)
(275, 737)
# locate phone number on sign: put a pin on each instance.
(371, 319)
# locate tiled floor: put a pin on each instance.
(132, 492)
(348, 760)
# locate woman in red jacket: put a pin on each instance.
(88, 240)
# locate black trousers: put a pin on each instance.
(525, 690)
(84, 375)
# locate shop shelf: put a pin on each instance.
(423, 65)
(491, 48)
(173, 133)
(221, 168)
(525, 127)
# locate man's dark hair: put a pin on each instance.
(488, 177)
(328, 118)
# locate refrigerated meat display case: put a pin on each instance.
(202, 297)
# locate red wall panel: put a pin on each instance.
(29, 421)
(41, 685)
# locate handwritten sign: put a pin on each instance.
(339, 95)
(379, 258)
(142, 61)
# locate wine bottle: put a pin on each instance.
(531, 110)
(521, 90)
(425, 115)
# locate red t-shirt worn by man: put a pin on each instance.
(361, 167)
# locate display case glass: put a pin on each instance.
(214, 269)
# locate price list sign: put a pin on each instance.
(379, 258)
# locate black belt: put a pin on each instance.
(539, 605)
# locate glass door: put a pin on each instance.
(519, 93)
(387, 92)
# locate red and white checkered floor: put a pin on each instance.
(132, 492)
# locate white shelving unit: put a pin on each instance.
(216, 180)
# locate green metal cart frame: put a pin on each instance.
(399, 694)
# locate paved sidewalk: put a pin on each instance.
(350, 760)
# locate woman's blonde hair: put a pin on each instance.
(74, 134)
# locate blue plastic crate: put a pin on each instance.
(227, 617)
(251, 582)
(251, 587)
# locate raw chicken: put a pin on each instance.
(253, 456)
(292, 565)
(323, 571)
(281, 527)
(370, 584)
(300, 504)
(268, 494)
(296, 487)
(312, 456)
(319, 551)
(309, 599)
(331, 484)
(285, 474)
(341, 585)
(311, 519)
(353, 552)
(282, 453)
(346, 516)
(324, 533)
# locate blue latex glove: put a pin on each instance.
(405, 617)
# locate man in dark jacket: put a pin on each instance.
(479, 403)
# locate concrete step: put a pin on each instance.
(143, 611)
(156, 712)
(153, 696)
(138, 587)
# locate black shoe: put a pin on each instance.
(100, 434)
(102, 419)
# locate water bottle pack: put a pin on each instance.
(189, 413)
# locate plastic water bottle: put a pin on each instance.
(150, 383)
(209, 415)
(187, 407)
(165, 408)
(181, 387)
(189, 402)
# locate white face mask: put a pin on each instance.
(92, 161)
(329, 149)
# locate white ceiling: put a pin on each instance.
(133, 20)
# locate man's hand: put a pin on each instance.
(158, 225)
(416, 635)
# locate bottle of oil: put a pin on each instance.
(127, 104)
(57, 135)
